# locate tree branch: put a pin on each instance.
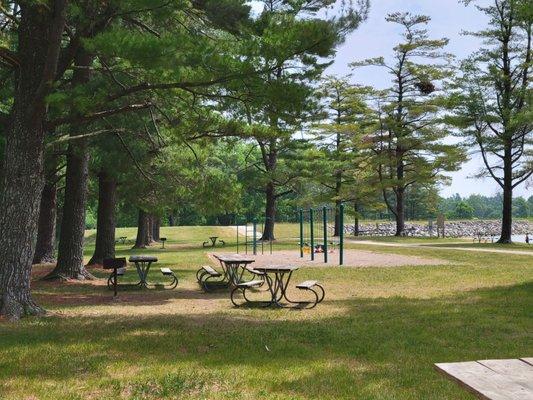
(97, 115)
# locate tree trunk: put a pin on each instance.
(71, 238)
(39, 38)
(46, 234)
(144, 231)
(356, 219)
(337, 227)
(156, 228)
(171, 220)
(270, 213)
(400, 212)
(400, 195)
(507, 210)
(105, 224)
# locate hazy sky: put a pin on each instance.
(376, 37)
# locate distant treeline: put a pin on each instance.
(419, 207)
(483, 207)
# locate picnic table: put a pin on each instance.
(213, 241)
(493, 379)
(480, 236)
(278, 285)
(143, 264)
(277, 278)
(231, 264)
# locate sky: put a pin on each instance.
(376, 37)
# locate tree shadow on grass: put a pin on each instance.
(377, 345)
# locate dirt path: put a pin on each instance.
(352, 258)
(426, 246)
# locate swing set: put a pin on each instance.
(251, 233)
(316, 228)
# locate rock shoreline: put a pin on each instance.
(451, 229)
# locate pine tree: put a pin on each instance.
(294, 39)
(408, 139)
(345, 173)
(493, 103)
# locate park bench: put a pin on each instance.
(312, 286)
(169, 272)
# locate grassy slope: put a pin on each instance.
(376, 335)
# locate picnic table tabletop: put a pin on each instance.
(276, 268)
(510, 379)
(234, 258)
(231, 263)
(143, 258)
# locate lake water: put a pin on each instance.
(522, 238)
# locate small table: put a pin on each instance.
(142, 264)
(493, 379)
(230, 264)
(278, 287)
(213, 240)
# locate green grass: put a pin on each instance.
(375, 336)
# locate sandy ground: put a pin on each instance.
(352, 258)
(188, 298)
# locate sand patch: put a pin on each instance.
(352, 258)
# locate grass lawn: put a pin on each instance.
(375, 336)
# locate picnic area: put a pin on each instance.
(377, 333)
(266, 199)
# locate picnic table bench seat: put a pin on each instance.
(207, 270)
(254, 271)
(169, 272)
(207, 276)
(306, 284)
(250, 284)
(312, 286)
(243, 287)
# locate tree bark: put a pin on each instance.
(400, 194)
(337, 225)
(356, 219)
(46, 234)
(270, 213)
(144, 231)
(507, 209)
(105, 224)
(338, 179)
(71, 240)
(171, 220)
(400, 212)
(39, 39)
(156, 228)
